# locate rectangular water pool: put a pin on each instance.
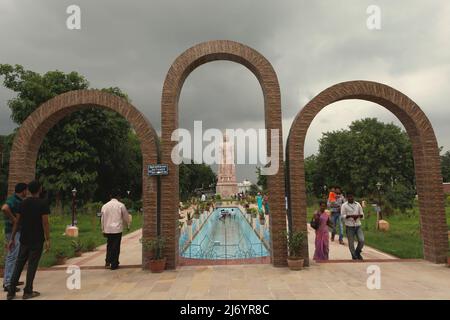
(226, 234)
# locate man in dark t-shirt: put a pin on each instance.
(32, 218)
(10, 209)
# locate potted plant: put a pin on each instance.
(61, 257)
(197, 213)
(253, 212)
(262, 219)
(188, 218)
(295, 241)
(157, 262)
(77, 247)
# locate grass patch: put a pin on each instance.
(90, 234)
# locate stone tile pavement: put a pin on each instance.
(399, 280)
(344, 280)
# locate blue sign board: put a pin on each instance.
(158, 169)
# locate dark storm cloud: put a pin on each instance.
(312, 45)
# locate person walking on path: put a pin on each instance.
(352, 213)
(32, 218)
(10, 210)
(322, 244)
(336, 214)
(114, 216)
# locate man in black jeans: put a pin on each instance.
(32, 217)
(114, 217)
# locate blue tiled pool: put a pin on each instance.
(231, 237)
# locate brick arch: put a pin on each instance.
(425, 151)
(29, 137)
(189, 60)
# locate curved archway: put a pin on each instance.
(177, 74)
(425, 151)
(29, 138)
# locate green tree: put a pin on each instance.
(445, 164)
(89, 149)
(195, 176)
(368, 152)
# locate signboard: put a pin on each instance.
(158, 169)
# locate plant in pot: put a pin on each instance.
(254, 213)
(295, 241)
(156, 246)
(262, 219)
(77, 246)
(61, 257)
(197, 213)
(189, 218)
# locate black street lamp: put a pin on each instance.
(379, 214)
(74, 195)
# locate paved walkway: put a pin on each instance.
(399, 279)
(131, 255)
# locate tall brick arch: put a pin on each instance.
(178, 72)
(425, 151)
(29, 138)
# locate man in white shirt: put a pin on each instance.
(352, 213)
(114, 216)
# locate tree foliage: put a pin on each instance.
(445, 164)
(92, 149)
(363, 155)
(193, 176)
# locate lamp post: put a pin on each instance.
(325, 191)
(74, 195)
(379, 215)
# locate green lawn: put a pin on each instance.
(89, 234)
(402, 240)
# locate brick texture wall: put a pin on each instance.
(178, 72)
(425, 150)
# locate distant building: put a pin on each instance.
(244, 186)
(446, 187)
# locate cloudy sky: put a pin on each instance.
(311, 44)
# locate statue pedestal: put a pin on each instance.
(72, 231)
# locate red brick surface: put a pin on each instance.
(425, 151)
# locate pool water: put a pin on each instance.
(230, 237)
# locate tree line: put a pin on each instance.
(95, 149)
